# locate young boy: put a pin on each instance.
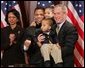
(50, 44)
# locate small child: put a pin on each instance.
(49, 13)
(50, 44)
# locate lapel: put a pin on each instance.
(62, 29)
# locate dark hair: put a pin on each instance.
(16, 13)
(39, 8)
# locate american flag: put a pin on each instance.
(6, 6)
(76, 17)
(44, 4)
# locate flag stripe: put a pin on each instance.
(3, 19)
(70, 6)
(77, 62)
(82, 18)
(76, 23)
(80, 49)
(80, 41)
(78, 57)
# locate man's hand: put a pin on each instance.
(58, 46)
(40, 38)
(33, 24)
(27, 43)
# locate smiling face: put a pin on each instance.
(60, 14)
(48, 13)
(12, 19)
(39, 15)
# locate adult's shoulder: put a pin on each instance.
(68, 24)
(5, 28)
(69, 27)
(30, 30)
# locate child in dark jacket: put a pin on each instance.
(50, 44)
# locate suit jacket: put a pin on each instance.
(12, 54)
(67, 38)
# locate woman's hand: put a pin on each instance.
(12, 38)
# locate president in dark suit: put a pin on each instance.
(67, 35)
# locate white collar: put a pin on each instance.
(47, 32)
(60, 25)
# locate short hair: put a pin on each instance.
(50, 21)
(16, 13)
(39, 8)
(63, 7)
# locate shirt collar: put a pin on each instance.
(60, 25)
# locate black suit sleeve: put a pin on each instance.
(4, 39)
(71, 37)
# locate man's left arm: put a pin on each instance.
(70, 40)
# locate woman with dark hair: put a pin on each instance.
(16, 13)
(10, 39)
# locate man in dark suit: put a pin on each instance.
(67, 35)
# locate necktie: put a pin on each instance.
(57, 29)
(26, 58)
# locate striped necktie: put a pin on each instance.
(57, 29)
